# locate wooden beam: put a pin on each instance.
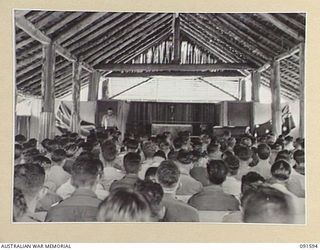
(144, 46)
(47, 114)
(255, 86)
(245, 36)
(155, 34)
(243, 89)
(137, 34)
(163, 73)
(94, 86)
(132, 87)
(31, 30)
(173, 67)
(241, 24)
(176, 39)
(282, 56)
(214, 34)
(217, 87)
(282, 26)
(76, 83)
(276, 98)
(105, 89)
(79, 26)
(302, 89)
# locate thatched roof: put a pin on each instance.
(126, 38)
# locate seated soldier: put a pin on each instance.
(244, 154)
(149, 149)
(67, 189)
(214, 152)
(263, 167)
(249, 181)
(188, 185)
(231, 185)
(151, 174)
(132, 165)
(57, 175)
(124, 205)
(212, 197)
(153, 192)
(111, 171)
(267, 205)
(168, 176)
(83, 204)
(29, 178)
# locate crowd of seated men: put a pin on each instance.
(159, 179)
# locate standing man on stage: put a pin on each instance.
(109, 120)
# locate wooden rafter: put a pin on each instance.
(282, 26)
(173, 67)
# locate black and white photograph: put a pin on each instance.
(159, 117)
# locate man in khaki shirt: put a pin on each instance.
(109, 120)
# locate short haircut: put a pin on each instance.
(249, 181)
(124, 205)
(172, 155)
(132, 144)
(20, 138)
(149, 149)
(244, 153)
(84, 172)
(41, 160)
(232, 163)
(213, 147)
(227, 133)
(217, 171)
(267, 205)
(132, 163)
(29, 178)
(19, 204)
(160, 153)
(177, 143)
(109, 150)
(87, 146)
(298, 156)
(58, 155)
(152, 191)
(281, 170)
(151, 172)
(263, 151)
(184, 156)
(168, 174)
(29, 154)
(17, 151)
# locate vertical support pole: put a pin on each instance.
(76, 84)
(255, 88)
(105, 89)
(94, 86)
(243, 89)
(301, 77)
(176, 39)
(275, 92)
(47, 115)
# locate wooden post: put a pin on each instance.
(105, 89)
(301, 78)
(176, 39)
(76, 84)
(243, 89)
(275, 92)
(47, 116)
(255, 87)
(94, 86)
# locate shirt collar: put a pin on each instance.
(84, 192)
